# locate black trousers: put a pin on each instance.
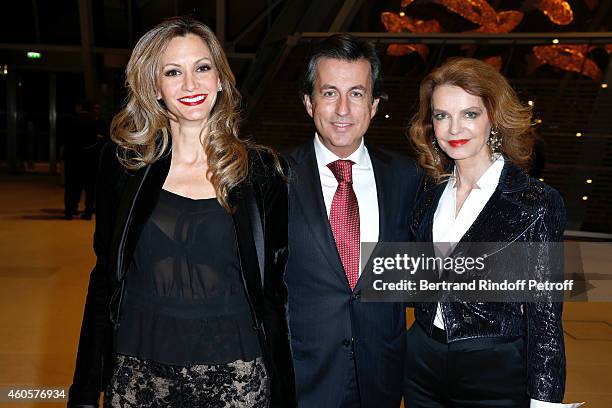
(483, 372)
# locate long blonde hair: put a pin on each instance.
(508, 116)
(141, 129)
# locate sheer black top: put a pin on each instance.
(185, 302)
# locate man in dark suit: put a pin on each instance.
(347, 352)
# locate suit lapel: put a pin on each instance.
(247, 220)
(423, 215)
(498, 217)
(436, 194)
(309, 198)
(383, 192)
(137, 202)
(249, 236)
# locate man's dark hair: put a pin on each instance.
(344, 47)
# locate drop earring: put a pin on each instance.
(494, 142)
(436, 151)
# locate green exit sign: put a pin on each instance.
(34, 55)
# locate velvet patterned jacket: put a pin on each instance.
(124, 201)
(521, 209)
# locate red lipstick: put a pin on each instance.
(193, 100)
(458, 142)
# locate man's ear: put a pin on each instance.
(308, 104)
(374, 107)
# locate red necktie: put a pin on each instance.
(344, 219)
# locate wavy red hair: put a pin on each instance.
(508, 116)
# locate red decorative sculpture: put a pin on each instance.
(395, 23)
(572, 58)
(557, 11)
(496, 62)
(569, 58)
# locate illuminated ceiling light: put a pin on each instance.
(5, 69)
(386, 116)
(589, 181)
(34, 55)
(541, 179)
(530, 103)
(604, 86)
(538, 121)
(584, 198)
(578, 134)
(19, 84)
(555, 41)
(402, 14)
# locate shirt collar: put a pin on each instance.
(325, 156)
(489, 180)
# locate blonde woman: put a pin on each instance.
(191, 243)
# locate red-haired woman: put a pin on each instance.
(473, 139)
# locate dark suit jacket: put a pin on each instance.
(124, 202)
(521, 209)
(324, 313)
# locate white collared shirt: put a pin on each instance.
(364, 186)
(447, 227)
(450, 229)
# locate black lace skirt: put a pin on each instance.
(144, 383)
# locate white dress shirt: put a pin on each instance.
(449, 228)
(364, 186)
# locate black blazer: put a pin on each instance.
(124, 202)
(324, 313)
(521, 209)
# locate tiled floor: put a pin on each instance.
(44, 268)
